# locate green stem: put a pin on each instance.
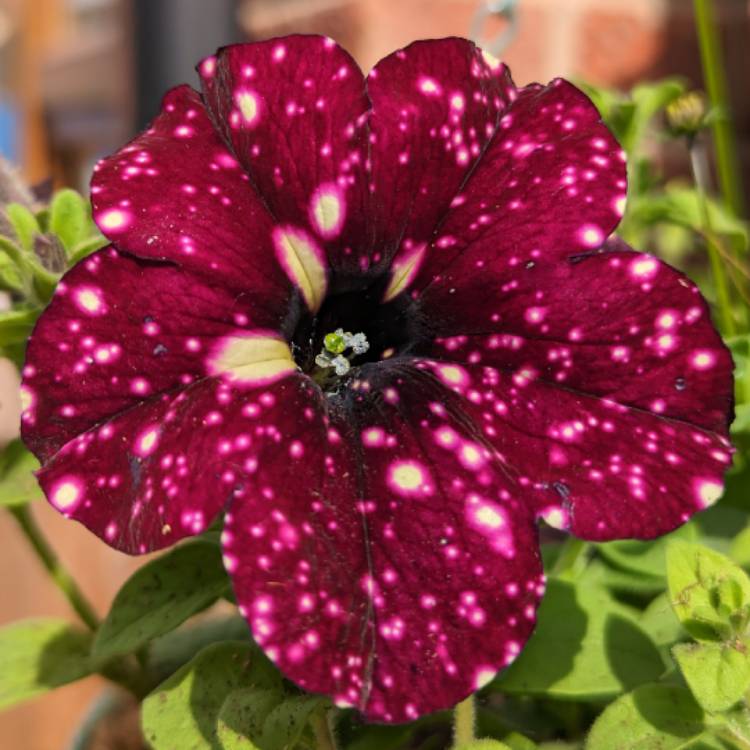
(324, 739)
(464, 721)
(571, 552)
(726, 316)
(59, 575)
(125, 672)
(716, 86)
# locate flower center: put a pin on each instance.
(333, 355)
(352, 329)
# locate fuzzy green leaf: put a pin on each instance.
(16, 325)
(707, 590)
(160, 596)
(242, 716)
(24, 224)
(10, 275)
(382, 736)
(287, 723)
(681, 206)
(718, 674)
(644, 558)
(661, 623)
(740, 549)
(86, 247)
(586, 646)
(39, 655)
(652, 717)
(68, 218)
(183, 712)
(18, 484)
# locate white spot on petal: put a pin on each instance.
(591, 236)
(66, 494)
(247, 102)
(409, 478)
(113, 220)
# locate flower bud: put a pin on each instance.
(686, 115)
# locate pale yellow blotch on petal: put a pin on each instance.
(492, 62)
(709, 492)
(403, 271)
(556, 518)
(327, 212)
(304, 264)
(252, 359)
(489, 517)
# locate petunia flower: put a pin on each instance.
(375, 322)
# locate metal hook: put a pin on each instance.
(504, 8)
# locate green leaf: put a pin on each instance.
(182, 713)
(718, 674)
(629, 116)
(604, 575)
(661, 623)
(86, 247)
(680, 205)
(707, 590)
(516, 741)
(739, 345)
(39, 655)
(24, 224)
(287, 722)
(484, 745)
(382, 737)
(10, 275)
(169, 652)
(644, 558)
(18, 484)
(586, 646)
(736, 725)
(242, 715)
(68, 218)
(717, 526)
(16, 325)
(649, 99)
(740, 549)
(160, 596)
(652, 717)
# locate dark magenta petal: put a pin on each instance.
(550, 184)
(148, 476)
(177, 193)
(618, 325)
(589, 464)
(164, 469)
(294, 110)
(120, 331)
(382, 555)
(436, 105)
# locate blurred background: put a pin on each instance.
(79, 77)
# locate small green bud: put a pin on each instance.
(334, 342)
(686, 115)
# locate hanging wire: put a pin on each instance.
(505, 9)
